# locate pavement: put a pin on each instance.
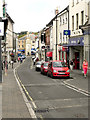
(12, 104)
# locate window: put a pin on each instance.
(63, 39)
(60, 21)
(76, 21)
(72, 23)
(19, 46)
(22, 46)
(82, 17)
(77, 1)
(60, 37)
(72, 3)
(33, 41)
(63, 21)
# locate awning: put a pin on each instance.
(49, 54)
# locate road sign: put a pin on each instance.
(1, 28)
(66, 32)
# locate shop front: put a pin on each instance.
(76, 51)
(63, 53)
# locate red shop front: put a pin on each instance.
(63, 53)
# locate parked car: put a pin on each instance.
(58, 69)
(44, 67)
(38, 65)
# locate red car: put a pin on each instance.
(58, 69)
(44, 67)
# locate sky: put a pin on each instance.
(33, 15)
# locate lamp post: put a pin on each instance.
(56, 37)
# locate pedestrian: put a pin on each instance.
(21, 60)
(37, 59)
(5, 65)
(12, 63)
(71, 64)
(85, 67)
(18, 59)
(34, 61)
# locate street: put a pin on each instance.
(50, 98)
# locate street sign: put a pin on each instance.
(1, 29)
(66, 32)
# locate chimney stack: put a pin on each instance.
(56, 11)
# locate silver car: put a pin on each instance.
(38, 66)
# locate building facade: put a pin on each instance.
(78, 10)
(9, 37)
(63, 24)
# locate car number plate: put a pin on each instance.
(61, 73)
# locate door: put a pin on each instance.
(77, 60)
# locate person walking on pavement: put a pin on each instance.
(12, 62)
(18, 59)
(71, 65)
(85, 67)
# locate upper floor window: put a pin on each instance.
(33, 41)
(60, 21)
(60, 37)
(82, 17)
(72, 22)
(77, 1)
(77, 21)
(72, 3)
(63, 20)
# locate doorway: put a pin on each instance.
(77, 60)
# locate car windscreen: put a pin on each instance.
(59, 64)
(45, 64)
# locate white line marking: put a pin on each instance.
(74, 88)
(31, 111)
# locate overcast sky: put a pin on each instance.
(33, 15)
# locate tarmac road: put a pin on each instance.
(50, 98)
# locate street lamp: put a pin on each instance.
(56, 37)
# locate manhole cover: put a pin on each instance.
(41, 110)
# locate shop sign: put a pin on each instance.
(66, 32)
(79, 41)
(87, 32)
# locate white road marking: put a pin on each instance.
(76, 89)
(31, 111)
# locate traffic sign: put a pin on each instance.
(66, 32)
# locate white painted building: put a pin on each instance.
(9, 36)
(1, 8)
(63, 24)
(78, 10)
